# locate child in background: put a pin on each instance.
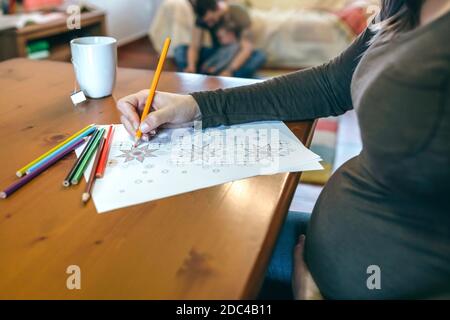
(227, 35)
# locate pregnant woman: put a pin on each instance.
(389, 207)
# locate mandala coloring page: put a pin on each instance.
(183, 160)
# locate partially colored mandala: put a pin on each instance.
(139, 154)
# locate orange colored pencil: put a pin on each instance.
(105, 153)
(153, 86)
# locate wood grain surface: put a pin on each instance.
(213, 243)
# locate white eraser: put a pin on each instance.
(78, 97)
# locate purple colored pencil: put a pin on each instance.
(19, 184)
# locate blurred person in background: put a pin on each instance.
(210, 14)
(223, 56)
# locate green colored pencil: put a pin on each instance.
(85, 162)
(66, 182)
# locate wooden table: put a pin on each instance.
(209, 244)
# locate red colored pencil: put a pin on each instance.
(105, 153)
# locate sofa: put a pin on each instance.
(293, 34)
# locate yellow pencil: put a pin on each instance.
(152, 92)
(22, 171)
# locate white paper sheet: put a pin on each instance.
(184, 160)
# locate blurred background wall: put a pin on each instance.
(119, 12)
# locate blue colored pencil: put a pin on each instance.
(60, 150)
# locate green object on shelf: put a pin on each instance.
(39, 55)
(38, 46)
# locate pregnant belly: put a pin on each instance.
(357, 225)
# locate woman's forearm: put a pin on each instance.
(317, 92)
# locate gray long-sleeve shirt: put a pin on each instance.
(389, 206)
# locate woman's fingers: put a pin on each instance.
(131, 107)
(303, 284)
(156, 119)
(128, 107)
(128, 126)
(299, 272)
(168, 110)
(160, 100)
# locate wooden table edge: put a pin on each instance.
(292, 180)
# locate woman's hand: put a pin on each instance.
(168, 110)
(303, 284)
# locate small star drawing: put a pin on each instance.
(139, 154)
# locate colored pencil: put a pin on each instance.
(87, 193)
(105, 153)
(23, 170)
(87, 158)
(23, 181)
(60, 150)
(153, 86)
(66, 182)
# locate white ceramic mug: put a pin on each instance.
(95, 63)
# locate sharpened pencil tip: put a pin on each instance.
(2, 195)
(85, 197)
(136, 142)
